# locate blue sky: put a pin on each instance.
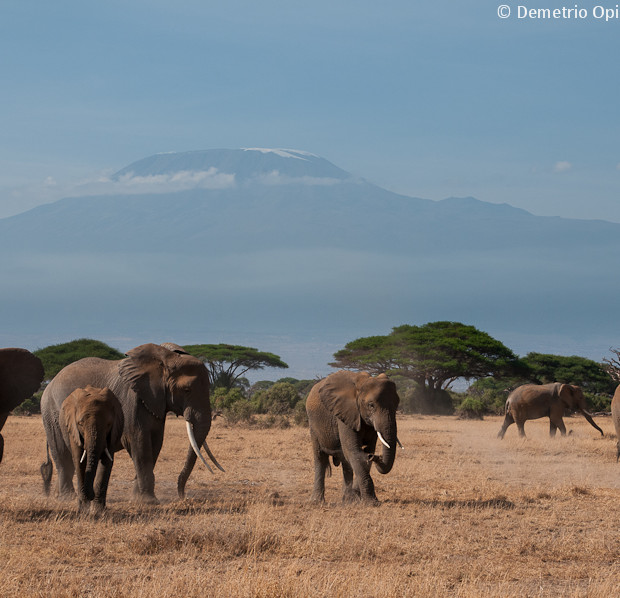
(431, 99)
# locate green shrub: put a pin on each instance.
(242, 410)
(471, 408)
(300, 416)
(598, 402)
(30, 406)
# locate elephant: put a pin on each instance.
(347, 412)
(21, 374)
(91, 422)
(532, 401)
(151, 381)
(615, 415)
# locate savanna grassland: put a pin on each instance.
(462, 514)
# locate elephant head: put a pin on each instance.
(359, 399)
(21, 374)
(572, 398)
(166, 378)
(91, 420)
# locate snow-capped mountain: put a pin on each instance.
(239, 165)
(217, 244)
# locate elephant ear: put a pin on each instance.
(68, 414)
(145, 372)
(339, 396)
(21, 374)
(569, 396)
(119, 419)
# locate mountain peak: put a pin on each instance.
(243, 164)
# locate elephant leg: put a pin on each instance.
(521, 427)
(508, 420)
(560, 424)
(321, 464)
(3, 418)
(363, 482)
(350, 488)
(62, 457)
(144, 484)
(157, 440)
(552, 429)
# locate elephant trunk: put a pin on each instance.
(387, 436)
(198, 426)
(93, 452)
(590, 420)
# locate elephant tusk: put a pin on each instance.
(107, 454)
(83, 456)
(399, 444)
(192, 441)
(382, 440)
(208, 451)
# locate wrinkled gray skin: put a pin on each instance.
(532, 401)
(91, 422)
(21, 374)
(149, 383)
(615, 416)
(345, 411)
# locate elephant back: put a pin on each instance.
(91, 371)
(21, 374)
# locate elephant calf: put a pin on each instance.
(532, 401)
(91, 423)
(347, 412)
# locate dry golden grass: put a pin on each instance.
(463, 514)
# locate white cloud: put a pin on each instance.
(562, 166)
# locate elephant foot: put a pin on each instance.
(146, 499)
(350, 496)
(66, 495)
(97, 509)
(317, 498)
(371, 501)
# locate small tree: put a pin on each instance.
(228, 363)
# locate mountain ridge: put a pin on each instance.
(280, 250)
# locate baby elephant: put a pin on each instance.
(91, 422)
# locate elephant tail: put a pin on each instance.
(47, 469)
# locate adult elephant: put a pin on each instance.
(532, 401)
(21, 374)
(615, 415)
(347, 412)
(152, 381)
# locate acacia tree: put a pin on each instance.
(433, 355)
(228, 363)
